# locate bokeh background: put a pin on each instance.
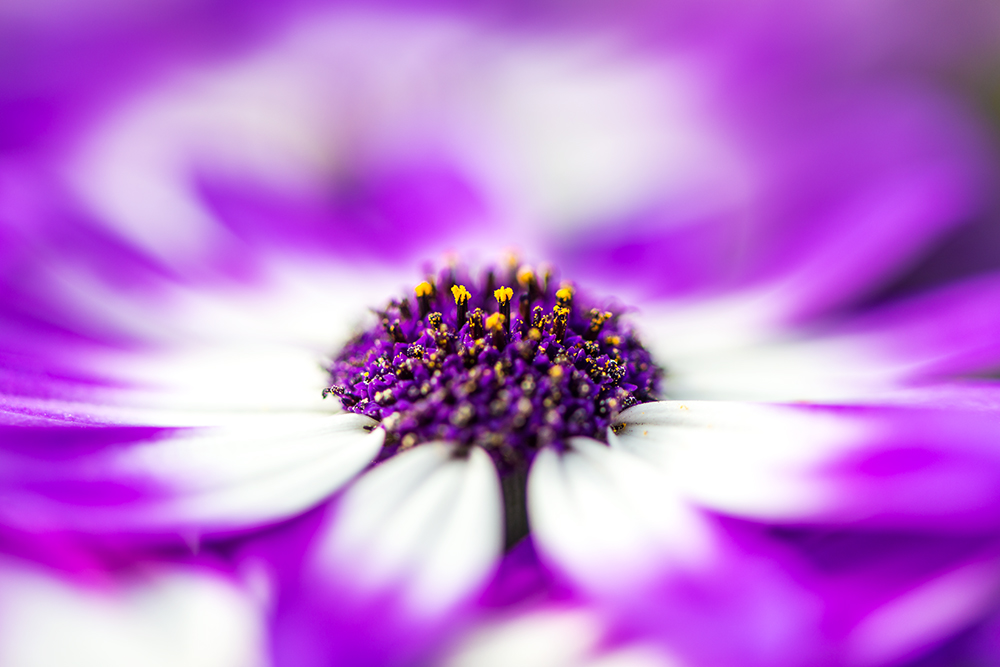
(845, 154)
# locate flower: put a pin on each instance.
(183, 256)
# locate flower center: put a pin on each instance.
(509, 362)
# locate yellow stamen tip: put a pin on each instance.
(460, 293)
(525, 275)
(495, 322)
(423, 289)
(503, 294)
(564, 293)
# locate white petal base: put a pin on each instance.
(425, 524)
(192, 481)
(608, 519)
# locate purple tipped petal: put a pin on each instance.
(767, 601)
(878, 467)
(607, 519)
(188, 481)
(943, 333)
(947, 332)
(389, 572)
(824, 222)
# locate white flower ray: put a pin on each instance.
(425, 523)
(748, 459)
(263, 469)
(608, 518)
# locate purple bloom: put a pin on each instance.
(192, 242)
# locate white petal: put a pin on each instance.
(553, 638)
(565, 130)
(748, 459)
(164, 618)
(678, 329)
(641, 655)
(294, 301)
(201, 480)
(255, 346)
(221, 378)
(93, 412)
(549, 638)
(822, 369)
(425, 523)
(607, 517)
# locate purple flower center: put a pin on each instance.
(509, 362)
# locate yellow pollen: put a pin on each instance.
(525, 275)
(503, 294)
(460, 293)
(495, 322)
(564, 293)
(600, 318)
(556, 372)
(423, 289)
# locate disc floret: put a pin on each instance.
(463, 368)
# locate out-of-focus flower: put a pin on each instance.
(186, 243)
(153, 615)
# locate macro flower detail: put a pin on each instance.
(459, 369)
(453, 370)
(781, 453)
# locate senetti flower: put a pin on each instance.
(693, 421)
(508, 384)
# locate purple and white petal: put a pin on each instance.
(160, 616)
(188, 481)
(940, 334)
(765, 602)
(875, 466)
(170, 353)
(924, 615)
(773, 600)
(426, 524)
(551, 637)
(948, 332)
(665, 574)
(966, 395)
(818, 221)
(607, 519)
(393, 568)
(313, 140)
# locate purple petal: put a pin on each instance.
(167, 482)
(946, 332)
(767, 601)
(386, 215)
(920, 340)
(845, 189)
(392, 569)
(862, 466)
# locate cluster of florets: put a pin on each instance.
(511, 364)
